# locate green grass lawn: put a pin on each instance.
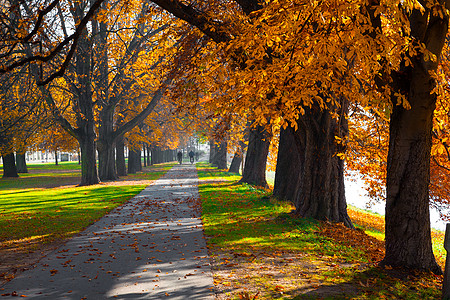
(32, 212)
(63, 165)
(278, 256)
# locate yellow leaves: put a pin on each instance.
(429, 56)
(438, 149)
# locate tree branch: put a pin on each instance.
(144, 114)
(216, 30)
(45, 58)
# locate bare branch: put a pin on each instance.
(45, 58)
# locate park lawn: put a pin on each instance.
(43, 175)
(63, 165)
(32, 215)
(259, 251)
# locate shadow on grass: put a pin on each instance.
(378, 283)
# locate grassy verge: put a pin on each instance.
(32, 216)
(259, 251)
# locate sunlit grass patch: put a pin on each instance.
(239, 216)
(31, 211)
(259, 249)
(57, 213)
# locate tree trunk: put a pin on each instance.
(85, 105)
(149, 154)
(56, 158)
(106, 140)
(212, 151)
(145, 156)
(256, 159)
(139, 160)
(121, 167)
(152, 156)
(133, 161)
(288, 166)
(9, 165)
(221, 155)
(408, 236)
(166, 155)
(89, 173)
(106, 160)
(320, 191)
(236, 162)
(132, 157)
(156, 156)
(160, 156)
(21, 163)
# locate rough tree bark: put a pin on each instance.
(148, 155)
(9, 165)
(212, 151)
(408, 236)
(21, 163)
(236, 162)
(132, 158)
(56, 158)
(221, 155)
(139, 161)
(156, 155)
(408, 233)
(106, 160)
(106, 138)
(121, 166)
(288, 166)
(85, 120)
(320, 187)
(89, 173)
(134, 161)
(256, 159)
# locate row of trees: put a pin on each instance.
(362, 80)
(116, 77)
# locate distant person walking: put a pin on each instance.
(180, 157)
(191, 156)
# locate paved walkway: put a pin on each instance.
(150, 248)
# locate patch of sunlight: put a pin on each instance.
(30, 239)
(376, 234)
(249, 241)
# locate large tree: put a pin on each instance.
(408, 238)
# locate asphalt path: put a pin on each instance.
(152, 247)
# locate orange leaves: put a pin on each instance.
(355, 239)
(364, 219)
